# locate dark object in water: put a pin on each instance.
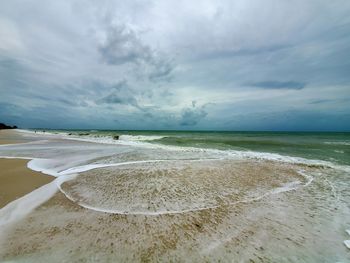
(3, 126)
(116, 137)
(69, 133)
(82, 134)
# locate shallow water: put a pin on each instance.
(148, 198)
(328, 146)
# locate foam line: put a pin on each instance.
(19, 208)
(88, 167)
(37, 165)
(129, 141)
(309, 178)
(157, 213)
(71, 173)
(347, 243)
(22, 206)
(285, 188)
(12, 157)
(24, 143)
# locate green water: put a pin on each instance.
(333, 147)
(328, 146)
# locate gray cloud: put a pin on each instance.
(241, 52)
(271, 84)
(192, 116)
(320, 101)
(121, 94)
(162, 70)
(142, 64)
(122, 45)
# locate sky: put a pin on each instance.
(182, 65)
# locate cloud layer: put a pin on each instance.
(220, 65)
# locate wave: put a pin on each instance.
(143, 141)
(140, 137)
(98, 138)
(49, 167)
(347, 143)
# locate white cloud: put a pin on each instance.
(10, 39)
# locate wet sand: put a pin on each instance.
(302, 225)
(291, 227)
(12, 137)
(16, 180)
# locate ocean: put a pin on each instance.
(327, 146)
(184, 196)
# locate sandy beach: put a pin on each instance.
(12, 137)
(175, 131)
(16, 179)
(140, 204)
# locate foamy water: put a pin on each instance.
(136, 176)
(67, 156)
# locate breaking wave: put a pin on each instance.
(67, 169)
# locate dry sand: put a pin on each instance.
(16, 179)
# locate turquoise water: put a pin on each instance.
(333, 147)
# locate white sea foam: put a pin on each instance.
(43, 165)
(13, 157)
(84, 168)
(48, 166)
(20, 208)
(141, 141)
(98, 138)
(308, 178)
(24, 143)
(146, 213)
(347, 243)
(284, 188)
(338, 143)
(24, 205)
(140, 137)
(288, 159)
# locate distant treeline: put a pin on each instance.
(3, 126)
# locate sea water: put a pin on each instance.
(221, 175)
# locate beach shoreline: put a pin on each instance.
(12, 137)
(16, 179)
(131, 202)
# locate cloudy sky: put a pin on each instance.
(196, 65)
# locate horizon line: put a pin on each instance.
(174, 130)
